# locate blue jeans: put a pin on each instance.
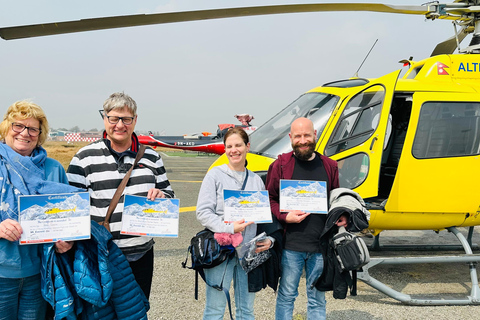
(216, 300)
(293, 263)
(21, 298)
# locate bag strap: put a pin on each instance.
(217, 287)
(202, 274)
(121, 187)
(246, 178)
(353, 289)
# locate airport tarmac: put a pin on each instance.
(173, 287)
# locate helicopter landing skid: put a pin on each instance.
(376, 246)
(469, 257)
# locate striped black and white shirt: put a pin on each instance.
(99, 170)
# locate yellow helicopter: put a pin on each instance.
(248, 202)
(305, 191)
(387, 132)
(150, 210)
(410, 145)
(58, 210)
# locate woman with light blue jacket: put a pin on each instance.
(24, 170)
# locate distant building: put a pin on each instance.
(56, 135)
(83, 136)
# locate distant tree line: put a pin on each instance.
(76, 129)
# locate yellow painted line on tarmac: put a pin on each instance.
(188, 209)
(186, 181)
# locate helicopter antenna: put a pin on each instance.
(356, 73)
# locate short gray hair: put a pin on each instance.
(119, 100)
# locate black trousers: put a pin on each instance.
(143, 272)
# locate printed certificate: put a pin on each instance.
(249, 205)
(303, 195)
(48, 218)
(158, 218)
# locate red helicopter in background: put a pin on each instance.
(204, 142)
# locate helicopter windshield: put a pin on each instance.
(272, 139)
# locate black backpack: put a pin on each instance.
(205, 252)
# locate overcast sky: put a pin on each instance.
(189, 77)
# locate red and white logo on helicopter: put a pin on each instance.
(441, 69)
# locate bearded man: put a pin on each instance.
(302, 248)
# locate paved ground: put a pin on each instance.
(173, 287)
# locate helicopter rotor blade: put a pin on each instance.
(38, 30)
(448, 46)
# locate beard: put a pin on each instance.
(303, 155)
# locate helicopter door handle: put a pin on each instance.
(373, 143)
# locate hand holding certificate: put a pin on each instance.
(143, 217)
(303, 195)
(253, 206)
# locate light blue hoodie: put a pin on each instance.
(210, 206)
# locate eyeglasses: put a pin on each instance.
(18, 128)
(125, 120)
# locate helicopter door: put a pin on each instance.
(439, 168)
(357, 140)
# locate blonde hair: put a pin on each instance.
(22, 110)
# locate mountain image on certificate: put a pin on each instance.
(246, 199)
(45, 207)
(160, 208)
(48, 218)
(249, 205)
(158, 218)
(303, 195)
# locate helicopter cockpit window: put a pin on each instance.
(272, 138)
(447, 129)
(358, 120)
(353, 170)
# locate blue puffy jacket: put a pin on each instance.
(97, 284)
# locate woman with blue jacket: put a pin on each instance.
(24, 170)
